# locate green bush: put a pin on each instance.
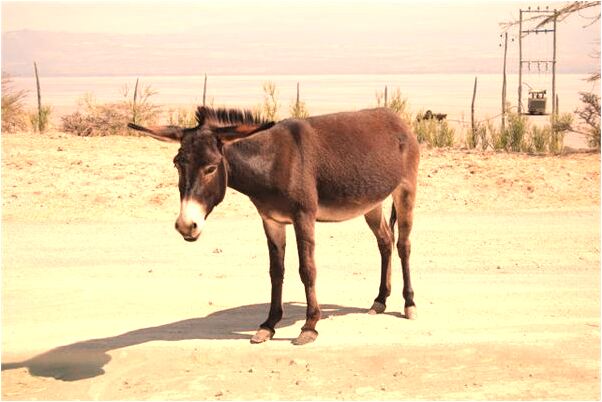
(513, 137)
(589, 113)
(559, 126)
(540, 139)
(520, 136)
(433, 132)
(43, 116)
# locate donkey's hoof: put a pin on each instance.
(410, 312)
(262, 335)
(306, 336)
(377, 308)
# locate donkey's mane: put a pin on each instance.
(226, 117)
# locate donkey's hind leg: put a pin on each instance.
(403, 202)
(384, 238)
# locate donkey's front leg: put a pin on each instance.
(276, 235)
(304, 232)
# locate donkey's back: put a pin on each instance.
(356, 159)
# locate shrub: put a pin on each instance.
(540, 138)
(434, 133)
(423, 130)
(396, 103)
(498, 138)
(99, 120)
(299, 110)
(513, 137)
(143, 111)
(40, 120)
(519, 136)
(13, 110)
(589, 113)
(268, 110)
(399, 105)
(111, 118)
(445, 135)
(183, 117)
(559, 126)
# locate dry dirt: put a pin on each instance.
(102, 299)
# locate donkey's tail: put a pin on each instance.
(392, 221)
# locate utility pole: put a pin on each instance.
(524, 32)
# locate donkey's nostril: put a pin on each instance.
(194, 225)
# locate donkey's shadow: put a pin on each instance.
(86, 359)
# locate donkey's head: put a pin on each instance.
(202, 167)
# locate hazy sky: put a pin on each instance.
(280, 36)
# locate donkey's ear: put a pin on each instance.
(235, 133)
(161, 133)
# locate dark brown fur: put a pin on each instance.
(325, 168)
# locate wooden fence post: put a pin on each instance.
(134, 111)
(205, 90)
(35, 68)
(504, 84)
(386, 103)
(474, 94)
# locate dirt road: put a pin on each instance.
(98, 306)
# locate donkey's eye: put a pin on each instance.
(210, 169)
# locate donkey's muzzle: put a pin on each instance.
(190, 231)
(191, 219)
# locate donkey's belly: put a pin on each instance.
(343, 211)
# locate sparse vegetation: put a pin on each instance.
(540, 137)
(589, 113)
(399, 105)
(268, 110)
(298, 110)
(94, 119)
(396, 102)
(183, 117)
(435, 133)
(513, 137)
(13, 109)
(40, 120)
(520, 136)
(111, 118)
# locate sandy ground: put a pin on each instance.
(102, 299)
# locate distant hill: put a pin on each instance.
(82, 54)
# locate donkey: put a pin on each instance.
(327, 168)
